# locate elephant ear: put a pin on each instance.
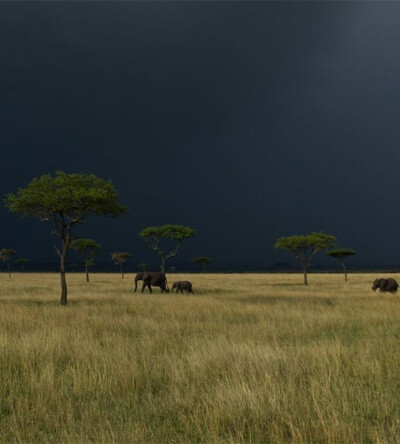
(382, 283)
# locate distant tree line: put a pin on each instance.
(67, 200)
(203, 261)
(88, 249)
(305, 247)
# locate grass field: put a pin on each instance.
(247, 358)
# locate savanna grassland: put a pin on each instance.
(247, 358)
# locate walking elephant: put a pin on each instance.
(180, 286)
(384, 285)
(153, 278)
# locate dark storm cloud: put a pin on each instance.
(246, 121)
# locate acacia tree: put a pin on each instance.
(340, 254)
(120, 258)
(6, 256)
(88, 249)
(305, 247)
(65, 200)
(22, 262)
(166, 240)
(203, 261)
(143, 266)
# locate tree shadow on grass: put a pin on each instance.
(86, 302)
(298, 284)
(283, 284)
(212, 291)
(56, 302)
(287, 300)
(29, 302)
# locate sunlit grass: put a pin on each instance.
(247, 358)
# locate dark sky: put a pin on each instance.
(244, 120)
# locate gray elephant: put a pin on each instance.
(152, 278)
(181, 286)
(384, 285)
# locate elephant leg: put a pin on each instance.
(149, 286)
(143, 286)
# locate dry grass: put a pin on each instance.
(248, 358)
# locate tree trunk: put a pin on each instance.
(345, 272)
(9, 269)
(63, 260)
(87, 270)
(204, 270)
(305, 275)
(122, 271)
(163, 261)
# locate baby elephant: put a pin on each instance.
(182, 285)
(388, 284)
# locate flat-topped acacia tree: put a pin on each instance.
(88, 249)
(157, 239)
(65, 200)
(203, 261)
(305, 247)
(143, 266)
(340, 254)
(119, 258)
(22, 262)
(6, 256)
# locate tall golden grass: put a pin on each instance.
(247, 358)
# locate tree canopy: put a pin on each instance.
(6, 255)
(203, 261)
(168, 231)
(306, 246)
(22, 262)
(341, 254)
(119, 258)
(155, 237)
(143, 266)
(65, 200)
(88, 249)
(299, 244)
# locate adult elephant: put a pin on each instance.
(152, 278)
(384, 285)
